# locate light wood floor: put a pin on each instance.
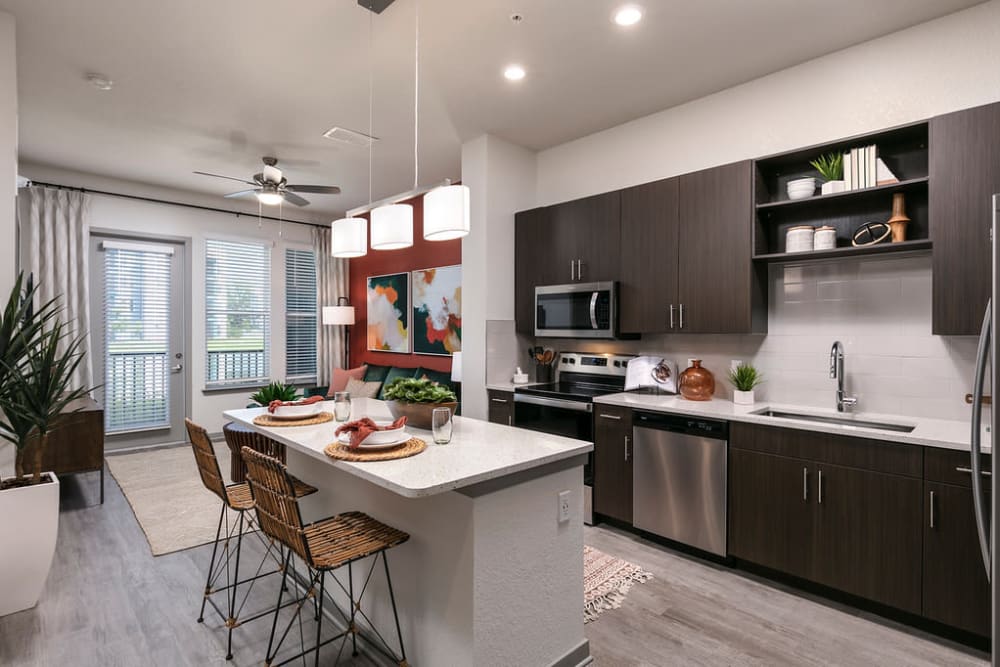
(109, 602)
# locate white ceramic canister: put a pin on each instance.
(825, 238)
(799, 239)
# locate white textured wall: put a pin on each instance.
(127, 215)
(943, 65)
(8, 152)
(501, 177)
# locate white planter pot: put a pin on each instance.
(831, 187)
(743, 397)
(30, 525)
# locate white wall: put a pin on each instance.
(501, 177)
(125, 215)
(8, 152)
(940, 66)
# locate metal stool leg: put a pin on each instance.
(395, 614)
(277, 608)
(354, 605)
(211, 566)
(231, 621)
(319, 617)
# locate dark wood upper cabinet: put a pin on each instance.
(588, 231)
(964, 174)
(648, 288)
(613, 462)
(718, 288)
(534, 236)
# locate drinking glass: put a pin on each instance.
(441, 425)
(342, 406)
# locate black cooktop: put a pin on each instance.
(574, 391)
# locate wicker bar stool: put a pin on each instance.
(323, 546)
(235, 497)
(239, 436)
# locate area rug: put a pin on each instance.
(163, 487)
(606, 582)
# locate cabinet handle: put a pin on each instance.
(499, 400)
(671, 316)
(607, 416)
(626, 449)
(819, 487)
(984, 473)
(579, 269)
(682, 316)
(510, 420)
(805, 484)
(572, 270)
(932, 510)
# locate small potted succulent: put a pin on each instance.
(831, 168)
(744, 378)
(416, 399)
(276, 391)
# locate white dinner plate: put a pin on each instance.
(295, 416)
(345, 439)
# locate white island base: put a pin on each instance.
(489, 575)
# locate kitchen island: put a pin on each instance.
(490, 576)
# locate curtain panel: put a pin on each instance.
(55, 232)
(331, 282)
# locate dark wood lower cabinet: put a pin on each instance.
(613, 462)
(956, 591)
(868, 537)
(501, 407)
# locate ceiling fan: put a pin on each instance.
(271, 187)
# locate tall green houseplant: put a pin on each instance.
(38, 356)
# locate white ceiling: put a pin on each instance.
(214, 85)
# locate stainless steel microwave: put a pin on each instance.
(578, 310)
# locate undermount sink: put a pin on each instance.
(830, 419)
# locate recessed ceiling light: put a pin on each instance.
(100, 81)
(628, 15)
(513, 72)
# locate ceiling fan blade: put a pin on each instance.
(293, 198)
(242, 193)
(316, 189)
(230, 178)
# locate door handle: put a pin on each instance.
(626, 449)
(499, 400)
(579, 269)
(819, 487)
(177, 369)
(805, 484)
(605, 415)
(671, 316)
(932, 510)
(682, 316)
(984, 473)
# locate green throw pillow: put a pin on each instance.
(395, 372)
(376, 373)
(441, 377)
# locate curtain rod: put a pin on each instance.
(173, 203)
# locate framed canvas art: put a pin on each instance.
(389, 313)
(437, 310)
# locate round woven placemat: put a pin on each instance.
(268, 420)
(411, 447)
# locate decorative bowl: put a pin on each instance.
(418, 415)
(801, 188)
(386, 436)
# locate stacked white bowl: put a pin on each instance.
(801, 188)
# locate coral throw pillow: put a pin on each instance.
(340, 378)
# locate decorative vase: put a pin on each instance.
(832, 187)
(743, 397)
(31, 522)
(418, 415)
(697, 383)
(898, 221)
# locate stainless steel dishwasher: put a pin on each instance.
(679, 479)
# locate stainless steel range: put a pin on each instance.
(565, 407)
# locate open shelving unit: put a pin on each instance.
(904, 151)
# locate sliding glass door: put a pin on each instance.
(138, 339)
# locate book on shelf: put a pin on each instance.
(847, 170)
(872, 157)
(883, 175)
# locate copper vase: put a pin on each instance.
(898, 221)
(697, 383)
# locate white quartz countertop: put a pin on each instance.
(479, 451)
(947, 434)
(508, 386)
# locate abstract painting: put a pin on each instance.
(437, 310)
(389, 313)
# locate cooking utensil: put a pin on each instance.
(548, 356)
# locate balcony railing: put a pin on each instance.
(228, 365)
(136, 391)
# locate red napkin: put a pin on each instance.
(275, 404)
(362, 428)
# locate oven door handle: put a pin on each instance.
(593, 310)
(576, 406)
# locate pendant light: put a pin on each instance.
(446, 213)
(392, 225)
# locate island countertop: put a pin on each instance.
(479, 451)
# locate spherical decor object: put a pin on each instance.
(697, 383)
(392, 227)
(446, 213)
(349, 237)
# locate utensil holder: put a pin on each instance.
(543, 373)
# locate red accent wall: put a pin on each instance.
(421, 255)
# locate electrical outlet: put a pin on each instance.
(564, 506)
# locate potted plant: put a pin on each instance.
(831, 168)
(416, 399)
(38, 356)
(276, 391)
(744, 378)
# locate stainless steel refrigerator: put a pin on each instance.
(987, 506)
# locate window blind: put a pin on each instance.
(300, 316)
(237, 312)
(136, 339)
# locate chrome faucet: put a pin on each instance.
(837, 372)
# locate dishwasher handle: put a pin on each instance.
(705, 428)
